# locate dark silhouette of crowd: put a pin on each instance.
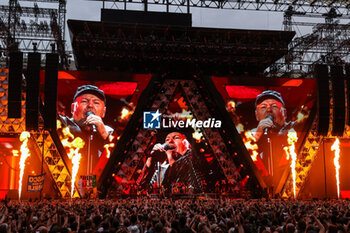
(175, 216)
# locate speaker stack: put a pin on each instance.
(338, 93)
(32, 93)
(15, 85)
(321, 75)
(50, 102)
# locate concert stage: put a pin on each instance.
(182, 105)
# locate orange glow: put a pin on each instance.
(250, 143)
(292, 139)
(25, 153)
(76, 162)
(126, 113)
(72, 146)
(197, 135)
(293, 83)
(336, 148)
(300, 117)
(109, 146)
(65, 75)
(15, 153)
(302, 114)
(231, 106)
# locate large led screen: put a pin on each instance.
(271, 116)
(92, 116)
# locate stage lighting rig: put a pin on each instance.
(27, 21)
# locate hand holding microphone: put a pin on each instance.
(161, 147)
(269, 119)
(89, 113)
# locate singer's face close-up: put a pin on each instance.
(176, 140)
(271, 107)
(87, 103)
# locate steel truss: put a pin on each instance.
(44, 146)
(329, 43)
(310, 7)
(33, 28)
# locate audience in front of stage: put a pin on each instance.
(153, 216)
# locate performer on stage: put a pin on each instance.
(171, 162)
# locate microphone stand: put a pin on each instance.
(89, 155)
(270, 164)
(270, 158)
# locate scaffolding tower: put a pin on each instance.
(33, 26)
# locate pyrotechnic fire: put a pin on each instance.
(335, 147)
(15, 153)
(250, 143)
(126, 113)
(73, 148)
(292, 139)
(25, 153)
(109, 145)
(76, 162)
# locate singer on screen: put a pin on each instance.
(88, 110)
(173, 160)
(271, 132)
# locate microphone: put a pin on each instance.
(266, 130)
(89, 113)
(165, 147)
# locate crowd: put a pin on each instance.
(167, 215)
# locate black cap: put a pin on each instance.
(90, 89)
(269, 94)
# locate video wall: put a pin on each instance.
(180, 156)
(92, 116)
(175, 152)
(270, 115)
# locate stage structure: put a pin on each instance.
(137, 40)
(29, 26)
(146, 48)
(192, 50)
(41, 145)
(328, 41)
(189, 74)
(317, 8)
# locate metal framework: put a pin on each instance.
(329, 43)
(42, 140)
(311, 7)
(33, 28)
